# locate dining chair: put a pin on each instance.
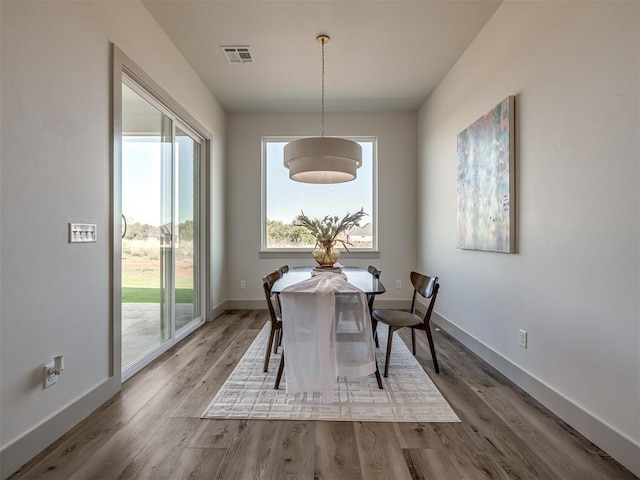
(428, 288)
(275, 315)
(376, 272)
(283, 269)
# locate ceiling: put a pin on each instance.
(383, 55)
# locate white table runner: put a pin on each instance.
(327, 333)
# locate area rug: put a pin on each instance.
(409, 395)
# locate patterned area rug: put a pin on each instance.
(409, 395)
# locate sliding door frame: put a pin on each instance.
(123, 65)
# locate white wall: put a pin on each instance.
(56, 86)
(574, 283)
(396, 134)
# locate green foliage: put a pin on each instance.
(279, 233)
(328, 229)
(140, 231)
(185, 230)
(152, 295)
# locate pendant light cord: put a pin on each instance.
(322, 116)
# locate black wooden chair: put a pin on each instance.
(376, 272)
(274, 314)
(428, 288)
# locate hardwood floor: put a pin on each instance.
(152, 429)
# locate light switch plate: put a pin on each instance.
(83, 233)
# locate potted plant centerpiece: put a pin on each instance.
(326, 233)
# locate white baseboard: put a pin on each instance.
(20, 451)
(624, 449)
(218, 310)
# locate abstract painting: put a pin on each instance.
(486, 181)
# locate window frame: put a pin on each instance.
(263, 196)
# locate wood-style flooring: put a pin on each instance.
(152, 429)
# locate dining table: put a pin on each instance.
(324, 339)
(356, 276)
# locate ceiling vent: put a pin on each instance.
(237, 53)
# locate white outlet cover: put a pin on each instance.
(49, 380)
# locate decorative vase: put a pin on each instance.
(326, 254)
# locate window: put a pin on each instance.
(284, 199)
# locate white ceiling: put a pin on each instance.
(383, 55)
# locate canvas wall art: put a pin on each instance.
(486, 181)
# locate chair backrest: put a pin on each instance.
(426, 286)
(375, 271)
(267, 284)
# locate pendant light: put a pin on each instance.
(322, 159)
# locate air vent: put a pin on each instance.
(237, 53)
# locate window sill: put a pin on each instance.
(306, 253)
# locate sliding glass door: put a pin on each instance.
(160, 268)
(187, 155)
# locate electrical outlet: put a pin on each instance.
(398, 283)
(523, 338)
(243, 284)
(49, 379)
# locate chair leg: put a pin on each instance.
(275, 341)
(378, 379)
(432, 348)
(386, 360)
(374, 322)
(279, 375)
(374, 327)
(268, 354)
(413, 340)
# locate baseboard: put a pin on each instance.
(262, 305)
(622, 448)
(245, 304)
(218, 310)
(19, 452)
